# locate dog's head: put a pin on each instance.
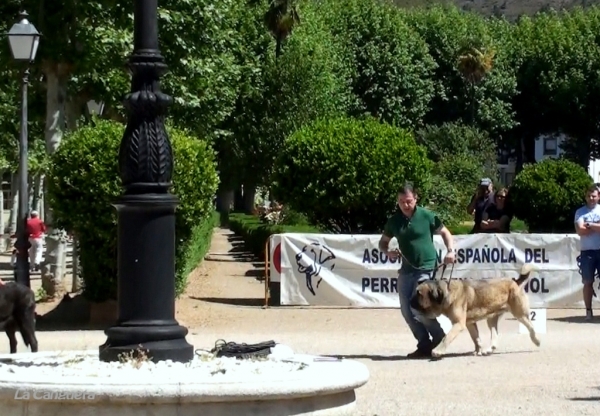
(428, 298)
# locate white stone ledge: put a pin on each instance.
(320, 388)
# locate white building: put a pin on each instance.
(546, 146)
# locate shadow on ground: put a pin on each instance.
(238, 249)
(233, 301)
(575, 320)
(71, 314)
(586, 399)
(404, 358)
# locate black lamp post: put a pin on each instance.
(146, 212)
(24, 40)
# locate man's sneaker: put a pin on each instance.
(589, 315)
(418, 355)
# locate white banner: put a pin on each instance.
(349, 270)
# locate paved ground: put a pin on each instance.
(560, 378)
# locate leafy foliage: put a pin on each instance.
(344, 173)
(556, 56)
(391, 69)
(545, 195)
(449, 33)
(462, 155)
(83, 183)
(280, 95)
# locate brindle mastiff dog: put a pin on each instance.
(464, 302)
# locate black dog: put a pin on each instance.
(17, 312)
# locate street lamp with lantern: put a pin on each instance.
(24, 40)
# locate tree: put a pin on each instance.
(474, 64)
(280, 19)
(451, 33)
(390, 68)
(281, 94)
(344, 173)
(462, 155)
(555, 56)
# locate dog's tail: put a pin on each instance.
(524, 274)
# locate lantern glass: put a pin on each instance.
(23, 39)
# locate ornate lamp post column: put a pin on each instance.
(146, 211)
(24, 40)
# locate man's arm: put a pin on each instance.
(594, 226)
(447, 237)
(580, 228)
(471, 206)
(386, 237)
(439, 228)
(384, 243)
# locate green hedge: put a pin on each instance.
(547, 194)
(196, 248)
(256, 233)
(83, 182)
(343, 173)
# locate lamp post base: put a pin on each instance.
(158, 343)
(146, 292)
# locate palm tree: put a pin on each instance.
(280, 19)
(474, 63)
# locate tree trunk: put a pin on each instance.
(37, 193)
(74, 110)
(2, 218)
(238, 199)
(76, 284)
(41, 203)
(31, 194)
(56, 95)
(249, 197)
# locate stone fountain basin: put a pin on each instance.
(75, 383)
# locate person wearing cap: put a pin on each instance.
(480, 201)
(36, 229)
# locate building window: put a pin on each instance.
(550, 146)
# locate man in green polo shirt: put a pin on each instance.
(414, 227)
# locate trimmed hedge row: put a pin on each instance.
(195, 249)
(83, 182)
(255, 233)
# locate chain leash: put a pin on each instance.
(442, 266)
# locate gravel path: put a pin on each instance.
(560, 378)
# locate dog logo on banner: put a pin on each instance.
(311, 260)
(596, 275)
